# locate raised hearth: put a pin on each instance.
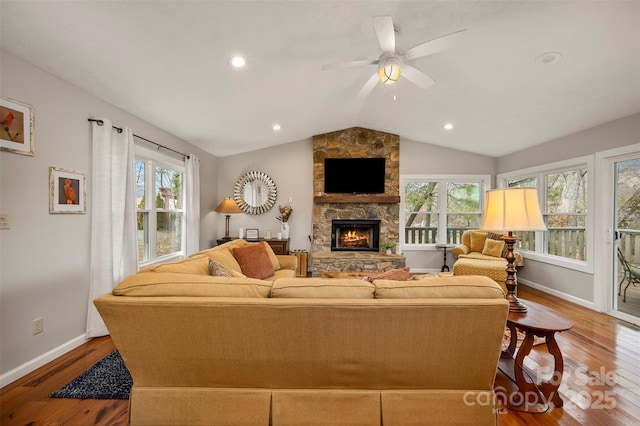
(355, 262)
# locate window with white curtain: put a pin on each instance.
(159, 181)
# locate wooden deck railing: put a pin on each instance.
(566, 242)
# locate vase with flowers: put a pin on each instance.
(285, 212)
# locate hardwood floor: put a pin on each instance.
(601, 383)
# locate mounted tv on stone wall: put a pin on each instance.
(354, 175)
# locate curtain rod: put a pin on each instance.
(119, 129)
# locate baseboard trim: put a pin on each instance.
(34, 364)
(561, 295)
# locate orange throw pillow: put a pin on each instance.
(398, 274)
(254, 261)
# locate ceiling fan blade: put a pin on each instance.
(383, 26)
(350, 64)
(433, 46)
(368, 86)
(416, 77)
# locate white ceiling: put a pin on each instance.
(167, 63)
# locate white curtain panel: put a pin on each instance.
(192, 205)
(113, 216)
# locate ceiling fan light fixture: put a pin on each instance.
(389, 70)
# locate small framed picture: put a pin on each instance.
(252, 234)
(16, 127)
(67, 193)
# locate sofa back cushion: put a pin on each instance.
(462, 287)
(196, 264)
(190, 285)
(321, 288)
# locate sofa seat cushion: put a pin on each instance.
(436, 287)
(282, 273)
(321, 288)
(180, 284)
(196, 264)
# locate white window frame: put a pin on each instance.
(152, 159)
(540, 173)
(483, 180)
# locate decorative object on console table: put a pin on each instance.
(508, 210)
(252, 234)
(228, 207)
(285, 212)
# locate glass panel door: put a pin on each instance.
(626, 282)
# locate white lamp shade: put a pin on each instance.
(512, 209)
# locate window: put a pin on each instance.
(159, 202)
(438, 209)
(564, 192)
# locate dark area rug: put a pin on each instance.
(108, 379)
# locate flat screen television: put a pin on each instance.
(354, 175)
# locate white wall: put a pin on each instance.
(44, 258)
(291, 168)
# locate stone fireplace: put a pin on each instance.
(355, 235)
(384, 208)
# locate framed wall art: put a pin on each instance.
(17, 127)
(67, 193)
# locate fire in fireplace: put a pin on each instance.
(355, 235)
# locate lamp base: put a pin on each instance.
(514, 304)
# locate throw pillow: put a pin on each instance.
(495, 236)
(217, 270)
(477, 241)
(398, 274)
(254, 261)
(493, 247)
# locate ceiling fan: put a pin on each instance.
(391, 63)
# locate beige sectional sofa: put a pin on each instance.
(306, 351)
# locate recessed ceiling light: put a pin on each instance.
(276, 127)
(238, 61)
(448, 126)
(549, 58)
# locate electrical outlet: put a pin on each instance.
(38, 326)
(4, 220)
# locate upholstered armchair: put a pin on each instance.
(483, 253)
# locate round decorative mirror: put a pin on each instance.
(255, 193)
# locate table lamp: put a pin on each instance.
(508, 210)
(228, 207)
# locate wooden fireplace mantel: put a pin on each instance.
(339, 198)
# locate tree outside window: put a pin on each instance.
(439, 210)
(160, 223)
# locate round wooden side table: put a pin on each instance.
(541, 321)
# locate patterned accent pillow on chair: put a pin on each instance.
(495, 236)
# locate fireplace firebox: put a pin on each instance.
(355, 235)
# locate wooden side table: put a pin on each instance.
(445, 247)
(541, 321)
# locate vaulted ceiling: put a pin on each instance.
(167, 62)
